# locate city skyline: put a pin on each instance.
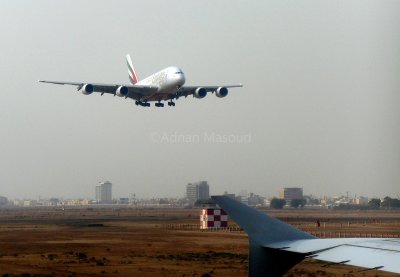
(280, 192)
(345, 202)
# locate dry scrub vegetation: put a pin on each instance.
(131, 242)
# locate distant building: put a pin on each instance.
(123, 200)
(244, 197)
(17, 202)
(361, 200)
(255, 200)
(3, 200)
(231, 195)
(104, 193)
(76, 202)
(29, 203)
(291, 193)
(197, 191)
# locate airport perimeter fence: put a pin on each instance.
(353, 235)
(346, 224)
(196, 227)
(319, 234)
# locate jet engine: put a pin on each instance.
(221, 92)
(87, 89)
(200, 93)
(122, 91)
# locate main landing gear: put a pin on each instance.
(157, 104)
(143, 104)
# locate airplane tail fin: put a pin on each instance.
(263, 230)
(131, 71)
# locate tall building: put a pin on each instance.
(104, 193)
(291, 193)
(197, 191)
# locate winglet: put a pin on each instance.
(260, 227)
(131, 71)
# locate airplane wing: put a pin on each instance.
(189, 90)
(382, 254)
(274, 246)
(135, 92)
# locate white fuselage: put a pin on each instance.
(168, 81)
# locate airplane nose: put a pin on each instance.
(181, 79)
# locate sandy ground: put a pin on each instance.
(137, 242)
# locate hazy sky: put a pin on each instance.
(320, 107)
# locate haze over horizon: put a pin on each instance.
(319, 108)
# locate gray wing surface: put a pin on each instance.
(382, 254)
(136, 92)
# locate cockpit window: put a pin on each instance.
(179, 72)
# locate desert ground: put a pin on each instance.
(137, 241)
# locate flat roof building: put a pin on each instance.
(291, 193)
(104, 193)
(197, 191)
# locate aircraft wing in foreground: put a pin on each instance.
(165, 85)
(275, 247)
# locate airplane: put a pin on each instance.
(165, 85)
(275, 247)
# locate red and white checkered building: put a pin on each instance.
(213, 218)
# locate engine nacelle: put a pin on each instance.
(200, 93)
(87, 89)
(122, 91)
(221, 92)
